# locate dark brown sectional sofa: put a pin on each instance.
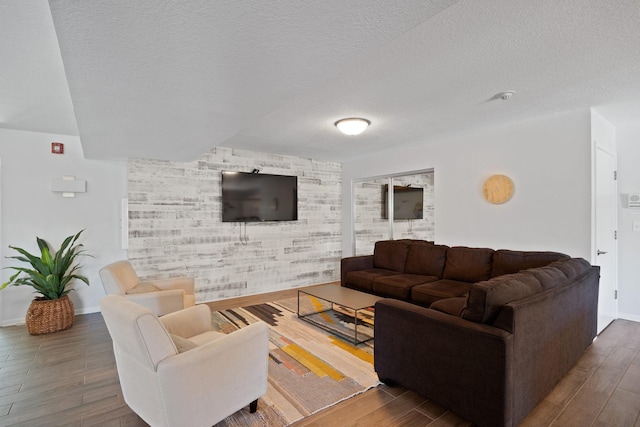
(484, 333)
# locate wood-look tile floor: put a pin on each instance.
(69, 379)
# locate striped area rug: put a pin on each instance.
(309, 368)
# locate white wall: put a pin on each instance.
(30, 209)
(628, 146)
(549, 161)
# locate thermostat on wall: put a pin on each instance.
(633, 201)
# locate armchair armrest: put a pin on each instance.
(188, 322)
(223, 376)
(187, 284)
(354, 263)
(160, 302)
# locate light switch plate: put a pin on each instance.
(635, 225)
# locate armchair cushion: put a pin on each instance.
(142, 288)
(182, 344)
(189, 322)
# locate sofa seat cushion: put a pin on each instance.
(428, 293)
(399, 286)
(452, 306)
(468, 264)
(486, 298)
(427, 260)
(508, 262)
(390, 255)
(362, 280)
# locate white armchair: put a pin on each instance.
(161, 296)
(175, 371)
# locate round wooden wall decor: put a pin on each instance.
(498, 189)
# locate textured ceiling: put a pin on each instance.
(170, 80)
(34, 95)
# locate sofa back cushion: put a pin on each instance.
(571, 267)
(416, 241)
(507, 262)
(487, 298)
(427, 260)
(390, 255)
(549, 277)
(468, 264)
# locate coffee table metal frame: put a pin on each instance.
(336, 294)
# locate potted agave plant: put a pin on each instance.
(50, 276)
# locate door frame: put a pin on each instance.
(608, 149)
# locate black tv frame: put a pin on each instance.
(258, 197)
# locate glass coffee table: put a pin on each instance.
(344, 297)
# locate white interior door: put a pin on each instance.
(606, 255)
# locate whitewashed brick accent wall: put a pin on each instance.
(176, 228)
(370, 226)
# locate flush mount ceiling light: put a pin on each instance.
(506, 95)
(352, 125)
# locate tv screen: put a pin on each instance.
(253, 197)
(407, 202)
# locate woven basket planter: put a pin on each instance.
(45, 316)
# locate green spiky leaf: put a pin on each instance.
(50, 274)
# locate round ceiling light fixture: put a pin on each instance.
(506, 95)
(352, 125)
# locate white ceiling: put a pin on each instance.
(170, 80)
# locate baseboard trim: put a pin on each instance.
(626, 316)
(13, 322)
(20, 320)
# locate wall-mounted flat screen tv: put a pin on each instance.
(255, 197)
(407, 202)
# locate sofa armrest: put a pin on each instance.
(354, 263)
(187, 284)
(222, 376)
(461, 365)
(160, 302)
(189, 322)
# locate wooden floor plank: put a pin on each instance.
(449, 419)
(431, 409)
(591, 398)
(543, 415)
(620, 357)
(411, 419)
(389, 413)
(621, 410)
(631, 379)
(339, 415)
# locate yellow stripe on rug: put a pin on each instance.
(315, 365)
(360, 354)
(320, 307)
